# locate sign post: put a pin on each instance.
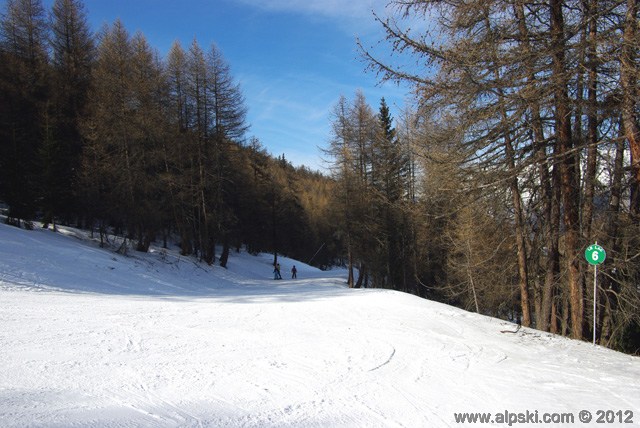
(595, 255)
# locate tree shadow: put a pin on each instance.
(44, 261)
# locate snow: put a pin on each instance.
(92, 338)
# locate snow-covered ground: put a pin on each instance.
(92, 338)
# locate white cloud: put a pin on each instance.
(353, 10)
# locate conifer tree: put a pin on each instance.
(73, 53)
(23, 96)
(228, 129)
(125, 132)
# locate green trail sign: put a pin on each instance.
(595, 254)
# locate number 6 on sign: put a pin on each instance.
(595, 254)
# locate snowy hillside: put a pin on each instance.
(91, 338)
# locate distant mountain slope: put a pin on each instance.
(92, 338)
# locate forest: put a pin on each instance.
(99, 131)
(520, 148)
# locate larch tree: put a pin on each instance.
(341, 152)
(73, 52)
(24, 92)
(228, 129)
(179, 161)
(125, 130)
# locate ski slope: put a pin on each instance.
(92, 338)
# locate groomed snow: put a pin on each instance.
(92, 338)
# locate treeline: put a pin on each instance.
(103, 132)
(525, 140)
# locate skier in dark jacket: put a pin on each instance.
(276, 272)
(294, 272)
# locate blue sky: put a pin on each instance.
(292, 58)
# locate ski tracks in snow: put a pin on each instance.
(393, 352)
(171, 345)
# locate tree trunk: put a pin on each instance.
(552, 238)
(350, 268)
(521, 249)
(362, 272)
(550, 197)
(629, 82)
(224, 257)
(592, 120)
(610, 286)
(568, 173)
(523, 276)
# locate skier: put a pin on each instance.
(276, 272)
(294, 272)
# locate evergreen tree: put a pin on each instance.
(392, 165)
